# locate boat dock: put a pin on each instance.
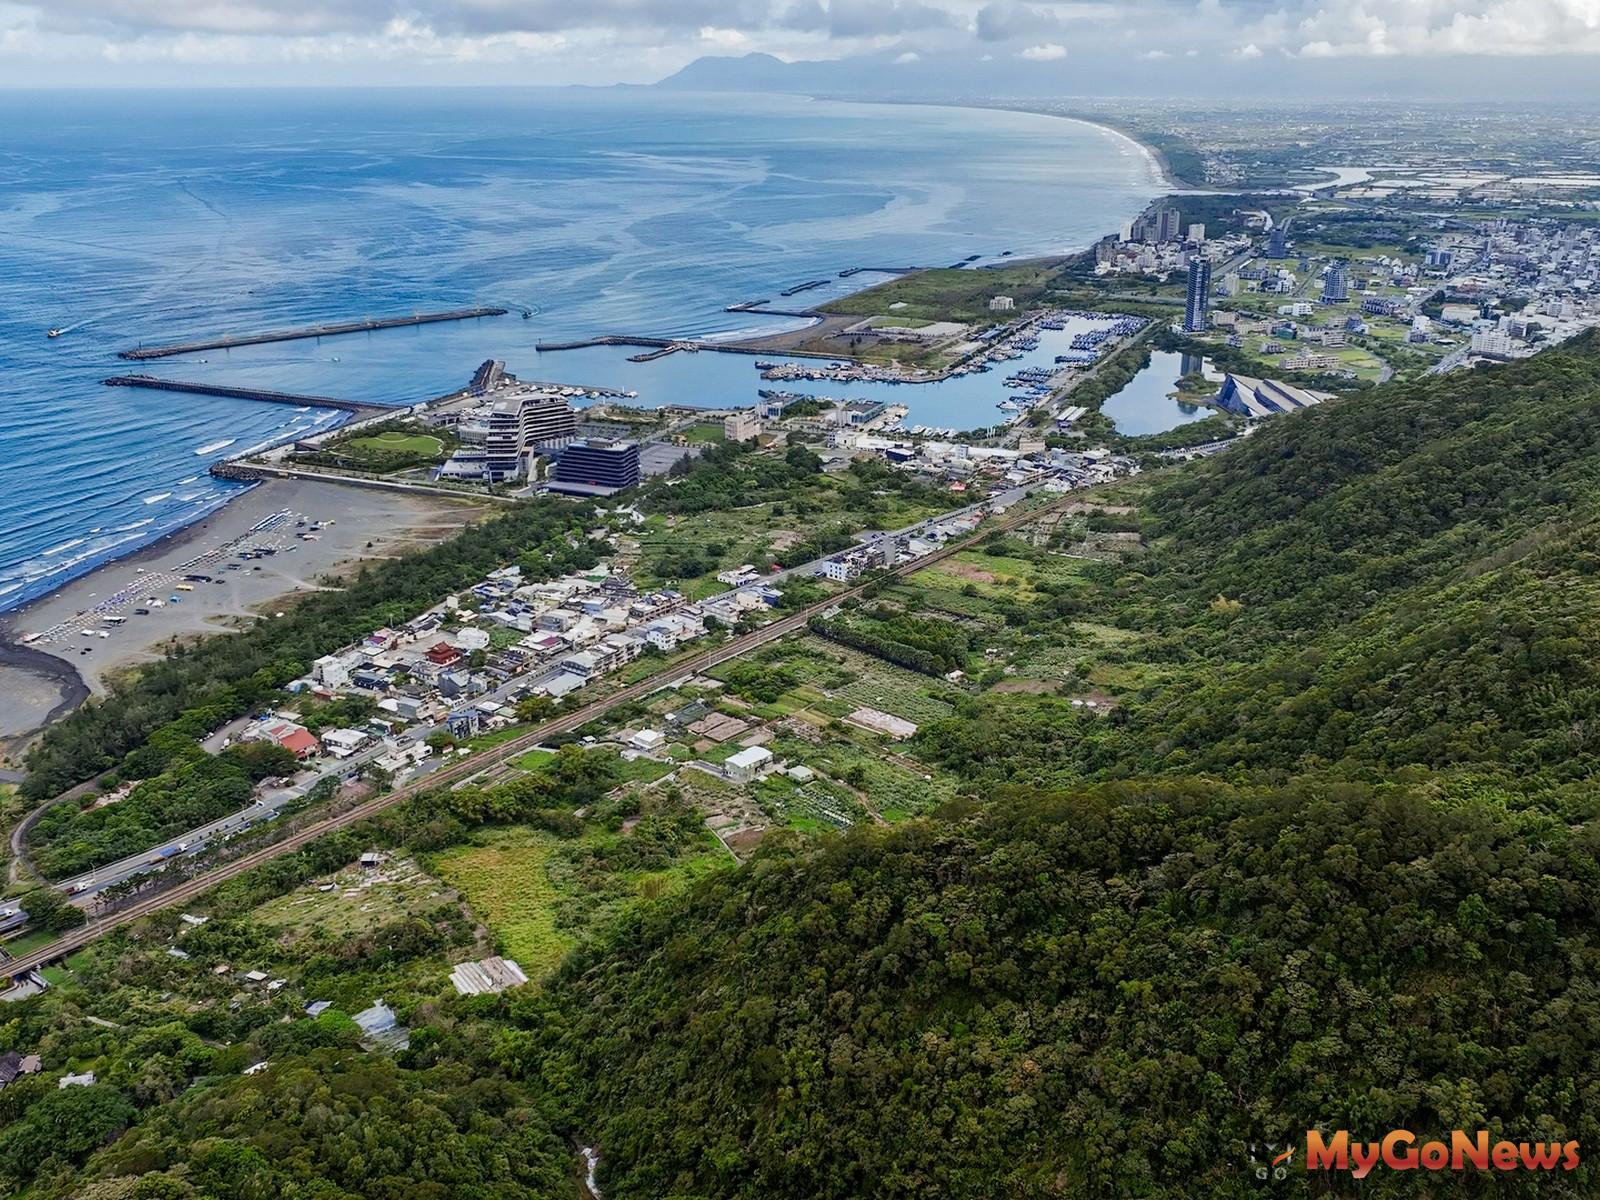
(155, 384)
(366, 325)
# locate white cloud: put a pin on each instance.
(1048, 52)
(1250, 50)
(1424, 28)
(733, 39)
(910, 56)
(1155, 54)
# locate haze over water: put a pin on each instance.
(142, 218)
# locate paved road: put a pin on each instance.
(84, 888)
(465, 768)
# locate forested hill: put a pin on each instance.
(1403, 577)
(1108, 993)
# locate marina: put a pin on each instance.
(973, 395)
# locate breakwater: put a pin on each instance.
(155, 384)
(667, 345)
(365, 325)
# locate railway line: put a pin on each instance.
(190, 889)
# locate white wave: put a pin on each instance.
(63, 546)
(213, 447)
(136, 525)
(157, 498)
(189, 479)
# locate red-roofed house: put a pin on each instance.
(300, 742)
(443, 655)
(296, 739)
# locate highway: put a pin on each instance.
(465, 768)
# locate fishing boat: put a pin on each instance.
(55, 333)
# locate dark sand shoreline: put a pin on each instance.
(364, 525)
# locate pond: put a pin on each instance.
(1146, 404)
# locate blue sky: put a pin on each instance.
(178, 42)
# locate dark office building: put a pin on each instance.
(596, 467)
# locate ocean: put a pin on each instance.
(137, 218)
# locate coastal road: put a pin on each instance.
(465, 768)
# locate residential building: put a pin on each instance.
(1197, 300)
(1002, 304)
(1169, 225)
(1336, 284)
(1493, 343)
(741, 426)
(745, 765)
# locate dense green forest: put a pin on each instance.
(1104, 992)
(1408, 578)
(1330, 859)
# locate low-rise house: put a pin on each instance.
(648, 740)
(13, 1065)
(744, 766)
(342, 743)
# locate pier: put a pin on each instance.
(155, 384)
(366, 325)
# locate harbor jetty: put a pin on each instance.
(156, 384)
(802, 287)
(669, 346)
(365, 325)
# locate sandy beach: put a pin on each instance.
(53, 672)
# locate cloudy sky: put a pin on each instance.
(52, 42)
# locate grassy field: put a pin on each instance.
(393, 442)
(951, 295)
(703, 433)
(535, 894)
(505, 882)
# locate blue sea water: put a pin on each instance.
(143, 218)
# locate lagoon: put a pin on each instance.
(1146, 405)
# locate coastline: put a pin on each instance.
(1156, 158)
(74, 680)
(360, 526)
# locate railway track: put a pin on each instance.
(190, 889)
